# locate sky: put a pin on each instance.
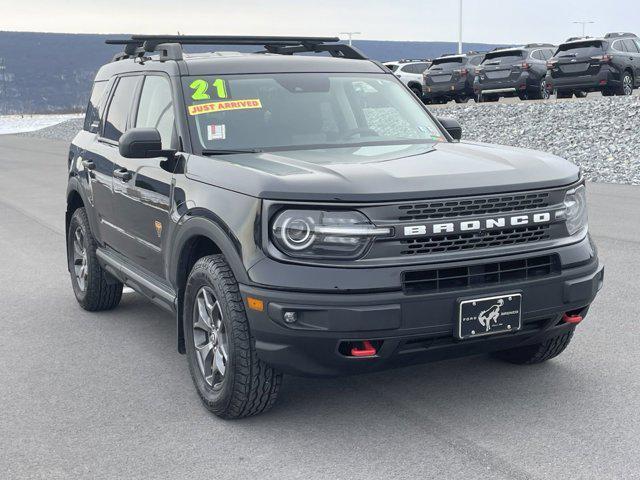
(488, 21)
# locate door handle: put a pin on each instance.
(88, 164)
(123, 174)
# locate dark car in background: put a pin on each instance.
(450, 77)
(610, 65)
(514, 72)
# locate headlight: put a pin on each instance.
(575, 211)
(324, 234)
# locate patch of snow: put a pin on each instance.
(29, 123)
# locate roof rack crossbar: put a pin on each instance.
(171, 45)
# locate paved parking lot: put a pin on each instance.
(107, 396)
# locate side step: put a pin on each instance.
(141, 282)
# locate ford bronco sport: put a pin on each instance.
(308, 215)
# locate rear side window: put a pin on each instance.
(393, 68)
(504, 58)
(538, 55)
(631, 46)
(118, 114)
(415, 68)
(92, 116)
(475, 61)
(156, 108)
(619, 46)
(580, 49)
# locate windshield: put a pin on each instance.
(503, 58)
(311, 110)
(446, 64)
(583, 49)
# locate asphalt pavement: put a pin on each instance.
(106, 395)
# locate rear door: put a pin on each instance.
(578, 59)
(142, 186)
(504, 67)
(634, 57)
(442, 70)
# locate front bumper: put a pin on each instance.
(411, 328)
(606, 78)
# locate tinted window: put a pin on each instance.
(504, 58)
(446, 63)
(538, 55)
(93, 109)
(156, 108)
(631, 46)
(415, 68)
(619, 46)
(475, 60)
(580, 49)
(392, 67)
(548, 54)
(116, 121)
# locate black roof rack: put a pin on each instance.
(575, 39)
(409, 60)
(619, 34)
(534, 45)
(170, 46)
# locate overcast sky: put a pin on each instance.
(491, 21)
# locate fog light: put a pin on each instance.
(290, 317)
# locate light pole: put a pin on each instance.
(584, 26)
(350, 35)
(460, 30)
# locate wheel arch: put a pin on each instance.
(196, 238)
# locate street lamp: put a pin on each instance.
(584, 26)
(350, 35)
(460, 30)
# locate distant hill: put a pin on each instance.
(52, 72)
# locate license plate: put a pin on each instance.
(489, 316)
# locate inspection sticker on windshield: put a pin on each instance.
(214, 107)
(216, 132)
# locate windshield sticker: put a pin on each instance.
(214, 107)
(216, 132)
(200, 89)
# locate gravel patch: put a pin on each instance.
(601, 135)
(62, 131)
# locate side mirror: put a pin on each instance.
(142, 143)
(452, 126)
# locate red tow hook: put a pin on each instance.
(368, 350)
(575, 319)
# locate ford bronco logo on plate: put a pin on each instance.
(488, 316)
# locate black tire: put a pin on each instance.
(581, 94)
(248, 386)
(561, 94)
(93, 287)
(626, 85)
(417, 92)
(461, 99)
(538, 353)
(607, 92)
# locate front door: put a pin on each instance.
(142, 186)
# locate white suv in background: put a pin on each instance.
(410, 72)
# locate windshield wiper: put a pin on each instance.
(231, 151)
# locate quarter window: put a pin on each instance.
(116, 121)
(156, 108)
(631, 46)
(619, 46)
(93, 109)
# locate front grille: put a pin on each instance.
(472, 206)
(453, 278)
(473, 241)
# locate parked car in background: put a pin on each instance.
(610, 65)
(450, 77)
(410, 72)
(514, 72)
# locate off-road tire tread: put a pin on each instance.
(101, 294)
(256, 384)
(533, 354)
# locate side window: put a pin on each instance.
(537, 55)
(619, 46)
(420, 67)
(156, 108)
(407, 69)
(93, 109)
(631, 46)
(116, 121)
(548, 54)
(476, 61)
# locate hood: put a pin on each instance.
(384, 173)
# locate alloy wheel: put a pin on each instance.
(210, 337)
(544, 93)
(80, 267)
(627, 85)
